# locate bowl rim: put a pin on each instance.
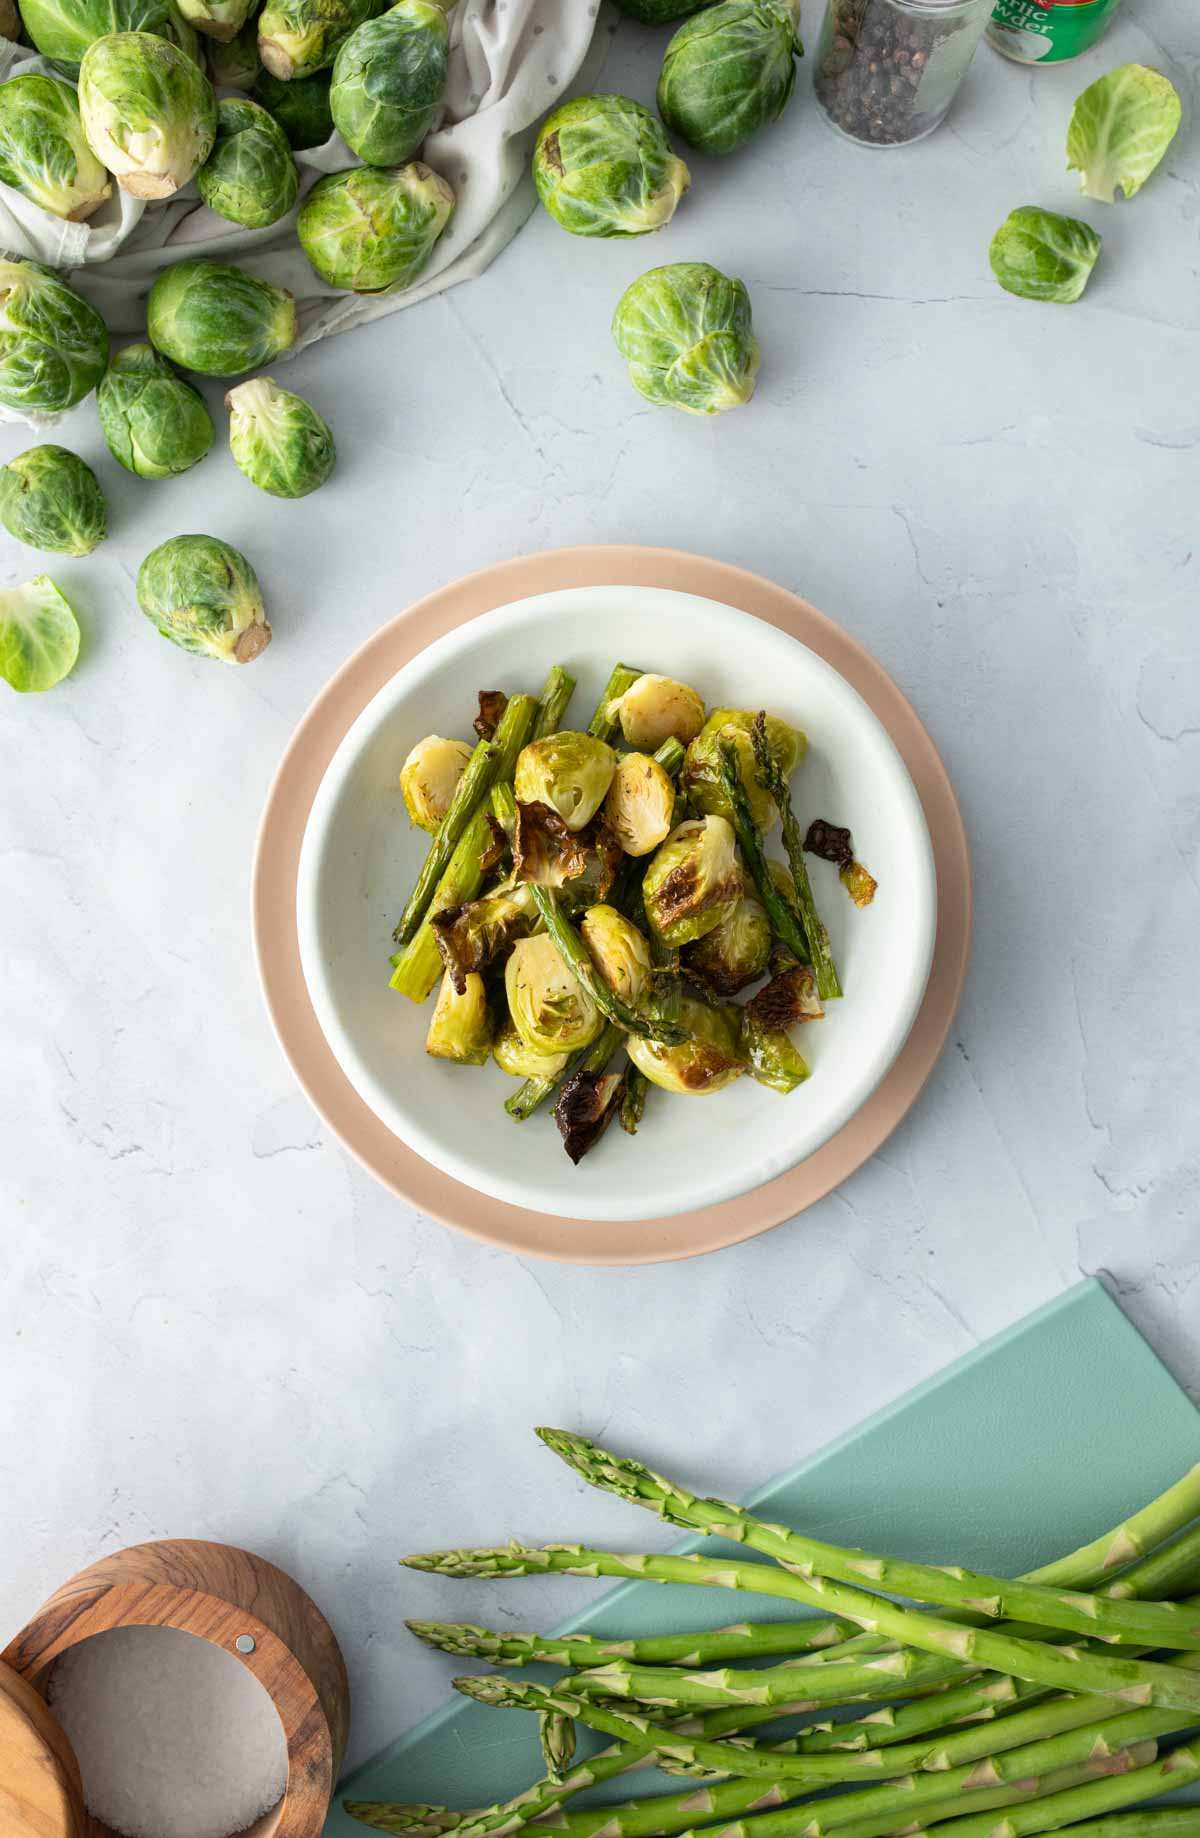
(399, 1167)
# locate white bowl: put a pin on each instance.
(361, 855)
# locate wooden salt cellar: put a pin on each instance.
(226, 1596)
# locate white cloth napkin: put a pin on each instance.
(510, 61)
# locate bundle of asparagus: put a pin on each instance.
(986, 1706)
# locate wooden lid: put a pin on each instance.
(40, 1791)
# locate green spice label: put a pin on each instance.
(1048, 31)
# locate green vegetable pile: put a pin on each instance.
(978, 1706)
(592, 890)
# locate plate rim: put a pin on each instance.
(522, 1230)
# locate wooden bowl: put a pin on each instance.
(40, 1791)
(235, 1601)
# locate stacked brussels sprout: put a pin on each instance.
(588, 890)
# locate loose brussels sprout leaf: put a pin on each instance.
(219, 321)
(657, 708)
(461, 1028)
(552, 1012)
(789, 998)
(373, 232)
(660, 12)
(701, 775)
(693, 882)
(43, 149)
(603, 167)
(389, 82)
(604, 856)
(298, 37)
(155, 424)
(513, 1056)
(300, 106)
(619, 952)
(570, 772)
(250, 177)
(771, 1057)
(39, 635)
(708, 1060)
(429, 778)
(233, 63)
(834, 844)
(1120, 128)
(278, 439)
(861, 886)
(53, 345)
(586, 1106)
(62, 30)
(640, 804)
(148, 110)
(686, 333)
(204, 596)
(220, 20)
(51, 499)
(1042, 256)
(736, 952)
(492, 704)
(544, 850)
(729, 71)
(472, 936)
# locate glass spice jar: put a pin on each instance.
(888, 70)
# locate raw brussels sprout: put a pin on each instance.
(687, 335)
(771, 1055)
(734, 953)
(62, 30)
(389, 81)
(53, 345)
(301, 107)
(640, 804)
(1120, 128)
(219, 321)
(693, 883)
(373, 231)
(729, 71)
(233, 63)
(552, 1012)
(461, 1028)
(156, 425)
(660, 12)
(603, 167)
(39, 635)
(618, 950)
(278, 439)
(1042, 256)
(50, 499)
(429, 777)
(657, 708)
(570, 772)
(149, 112)
(43, 149)
(701, 778)
(708, 1060)
(514, 1056)
(473, 936)
(216, 19)
(204, 597)
(296, 37)
(250, 176)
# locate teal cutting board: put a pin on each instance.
(1029, 1446)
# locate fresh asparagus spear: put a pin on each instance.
(482, 767)
(556, 1735)
(1146, 1822)
(664, 1687)
(785, 921)
(606, 720)
(748, 1640)
(556, 694)
(772, 780)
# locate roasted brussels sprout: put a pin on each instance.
(373, 232)
(297, 37)
(586, 1106)
(700, 777)
(204, 596)
(389, 81)
(155, 424)
(50, 499)
(640, 804)
(619, 952)
(220, 20)
(570, 772)
(39, 635)
(233, 63)
(603, 167)
(219, 321)
(772, 1057)
(657, 708)
(708, 1060)
(1042, 255)
(278, 439)
(148, 111)
(472, 936)
(62, 30)
(53, 345)
(300, 106)
(461, 1027)
(250, 177)
(545, 851)
(44, 152)
(429, 778)
(734, 953)
(686, 333)
(516, 1057)
(552, 1012)
(729, 71)
(788, 999)
(694, 881)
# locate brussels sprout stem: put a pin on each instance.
(771, 779)
(785, 921)
(557, 691)
(606, 720)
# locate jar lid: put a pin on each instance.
(40, 1791)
